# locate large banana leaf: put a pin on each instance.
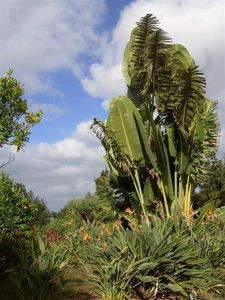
(123, 119)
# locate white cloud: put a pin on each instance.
(42, 37)
(105, 82)
(60, 171)
(50, 111)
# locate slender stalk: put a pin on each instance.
(175, 184)
(186, 201)
(165, 201)
(137, 186)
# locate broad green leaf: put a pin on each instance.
(147, 266)
(148, 192)
(176, 288)
(121, 112)
(125, 65)
(180, 53)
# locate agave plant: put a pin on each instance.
(161, 134)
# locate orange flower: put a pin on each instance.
(85, 237)
(117, 224)
(102, 232)
(191, 210)
(128, 210)
(131, 223)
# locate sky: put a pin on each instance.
(68, 54)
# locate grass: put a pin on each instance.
(76, 289)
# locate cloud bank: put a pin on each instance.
(59, 171)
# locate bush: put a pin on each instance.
(38, 274)
(17, 212)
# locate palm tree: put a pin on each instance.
(161, 134)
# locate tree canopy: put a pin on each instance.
(19, 209)
(15, 119)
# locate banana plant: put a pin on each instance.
(165, 128)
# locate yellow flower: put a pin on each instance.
(103, 245)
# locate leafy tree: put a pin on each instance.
(43, 215)
(18, 209)
(160, 136)
(85, 208)
(213, 183)
(15, 119)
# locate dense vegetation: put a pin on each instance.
(154, 229)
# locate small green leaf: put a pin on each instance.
(41, 245)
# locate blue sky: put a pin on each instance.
(68, 56)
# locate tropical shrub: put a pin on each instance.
(159, 137)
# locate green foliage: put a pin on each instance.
(17, 212)
(43, 214)
(64, 224)
(160, 136)
(39, 272)
(15, 120)
(157, 259)
(213, 183)
(85, 208)
(104, 192)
